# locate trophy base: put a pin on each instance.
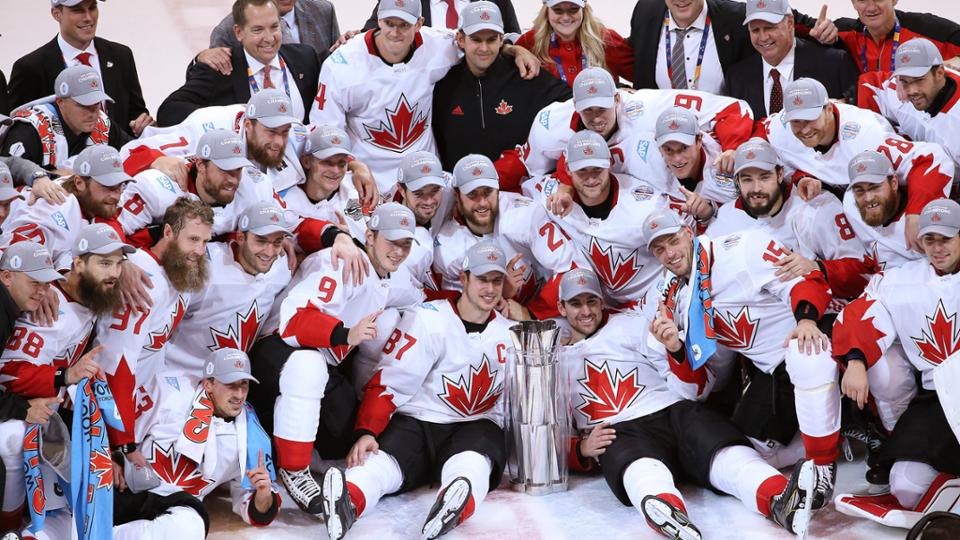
(538, 489)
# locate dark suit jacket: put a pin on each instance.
(726, 25)
(4, 104)
(316, 23)
(33, 77)
(510, 23)
(832, 67)
(206, 87)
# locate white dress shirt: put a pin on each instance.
(289, 20)
(711, 73)
(438, 12)
(276, 77)
(785, 68)
(70, 55)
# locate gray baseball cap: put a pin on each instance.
(594, 87)
(579, 281)
(916, 57)
(940, 216)
(228, 366)
(100, 239)
(772, 11)
(587, 149)
(7, 191)
(30, 258)
(755, 153)
(677, 124)
(327, 140)
(68, 3)
(419, 169)
(474, 171)
(484, 257)
(479, 16)
(408, 10)
(82, 84)
(659, 223)
(394, 221)
(263, 218)
(804, 99)
(551, 3)
(224, 148)
(869, 166)
(102, 163)
(271, 107)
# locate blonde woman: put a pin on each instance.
(568, 38)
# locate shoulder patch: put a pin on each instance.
(166, 183)
(208, 126)
(428, 306)
(255, 174)
(521, 201)
(58, 218)
(731, 241)
(849, 130)
(643, 192)
(643, 148)
(633, 109)
(299, 133)
(172, 381)
(544, 119)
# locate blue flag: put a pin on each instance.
(701, 340)
(257, 441)
(36, 500)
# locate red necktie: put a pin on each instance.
(776, 93)
(267, 83)
(84, 58)
(453, 20)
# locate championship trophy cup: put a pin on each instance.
(538, 420)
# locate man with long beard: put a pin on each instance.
(133, 340)
(40, 362)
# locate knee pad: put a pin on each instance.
(11, 441)
(810, 371)
(304, 375)
(909, 481)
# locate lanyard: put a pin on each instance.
(893, 52)
(703, 48)
(556, 58)
(255, 88)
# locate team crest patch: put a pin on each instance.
(731, 241)
(544, 119)
(643, 148)
(642, 193)
(504, 108)
(58, 218)
(849, 131)
(633, 110)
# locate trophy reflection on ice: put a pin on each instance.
(538, 420)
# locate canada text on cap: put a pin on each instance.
(594, 87)
(484, 257)
(394, 221)
(587, 149)
(483, 15)
(473, 171)
(804, 99)
(677, 124)
(659, 223)
(228, 366)
(916, 57)
(327, 140)
(940, 216)
(579, 281)
(82, 84)
(224, 148)
(755, 154)
(263, 218)
(102, 163)
(407, 10)
(869, 166)
(271, 107)
(419, 169)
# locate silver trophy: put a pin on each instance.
(538, 421)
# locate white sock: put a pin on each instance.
(475, 467)
(379, 475)
(648, 476)
(740, 471)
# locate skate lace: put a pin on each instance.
(302, 484)
(824, 479)
(866, 437)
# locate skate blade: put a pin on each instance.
(661, 515)
(807, 481)
(331, 493)
(453, 499)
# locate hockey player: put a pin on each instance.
(877, 206)
(919, 97)
(40, 362)
(380, 87)
(539, 252)
(602, 221)
(94, 195)
(246, 276)
(816, 232)
(597, 105)
(433, 407)
(321, 318)
(905, 323)
(816, 140)
(196, 438)
(739, 300)
(133, 341)
(638, 412)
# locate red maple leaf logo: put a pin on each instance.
(101, 469)
(941, 339)
(504, 108)
(854, 330)
(761, 4)
(798, 101)
(404, 126)
(607, 393)
(905, 59)
(242, 335)
(751, 155)
(674, 125)
(178, 470)
(477, 396)
(616, 273)
(736, 332)
(592, 90)
(156, 340)
(861, 167)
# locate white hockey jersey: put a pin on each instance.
(923, 167)
(317, 299)
(727, 119)
(614, 246)
(224, 453)
(386, 109)
(228, 313)
(181, 141)
(146, 199)
(54, 226)
(912, 305)
(433, 370)
(34, 352)
(817, 229)
(621, 373)
(879, 94)
(523, 227)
